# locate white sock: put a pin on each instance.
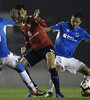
(51, 86)
(27, 79)
(86, 77)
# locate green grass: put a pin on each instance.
(20, 94)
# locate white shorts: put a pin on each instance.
(69, 64)
(10, 60)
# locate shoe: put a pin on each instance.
(29, 95)
(85, 94)
(59, 95)
(38, 93)
(49, 94)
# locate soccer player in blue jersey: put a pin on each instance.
(70, 35)
(7, 58)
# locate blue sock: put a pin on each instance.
(55, 79)
(20, 67)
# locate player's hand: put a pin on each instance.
(36, 13)
(14, 14)
(23, 49)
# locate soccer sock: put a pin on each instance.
(51, 86)
(27, 79)
(55, 79)
(31, 78)
(86, 77)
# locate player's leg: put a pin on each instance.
(31, 78)
(51, 85)
(39, 91)
(73, 65)
(1, 69)
(50, 57)
(31, 58)
(84, 70)
(32, 89)
(11, 61)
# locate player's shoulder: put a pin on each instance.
(2, 19)
(81, 30)
(64, 24)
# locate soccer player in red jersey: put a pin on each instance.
(38, 44)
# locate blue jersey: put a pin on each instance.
(68, 39)
(4, 51)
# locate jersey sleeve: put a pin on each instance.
(56, 27)
(9, 22)
(42, 22)
(86, 35)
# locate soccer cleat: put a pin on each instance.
(85, 94)
(29, 95)
(49, 94)
(38, 93)
(59, 95)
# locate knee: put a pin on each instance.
(21, 65)
(50, 57)
(24, 62)
(88, 71)
(58, 67)
(85, 70)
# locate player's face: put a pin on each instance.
(22, 14)
(75, 22)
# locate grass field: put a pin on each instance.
(20, 94)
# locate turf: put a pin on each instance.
(20, 94)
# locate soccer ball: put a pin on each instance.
(85, 86)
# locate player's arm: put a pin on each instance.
(38, 19)
(54, 28)
(18, 24)
(86, 36)
(42, 22)
(47, 29)
(14, 14)
(36, 14)
(27, 45)
(23, 49)
(15, 17)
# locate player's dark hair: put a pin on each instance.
(18, 7)
(78, 15)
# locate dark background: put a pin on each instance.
(53, 11)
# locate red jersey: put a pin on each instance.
(34, 33)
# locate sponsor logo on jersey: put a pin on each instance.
(77, 34)
(69, 37)
(33, 35)
(29, 33)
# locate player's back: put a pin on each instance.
(4, 51)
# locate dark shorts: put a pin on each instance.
(34, 56)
